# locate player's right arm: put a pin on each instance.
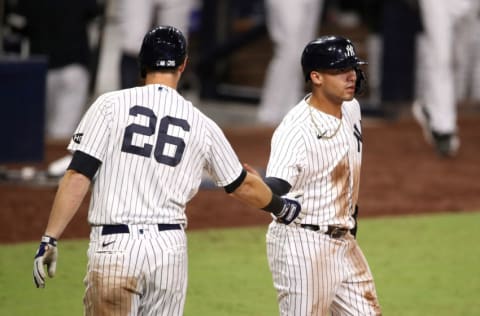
(72, 189)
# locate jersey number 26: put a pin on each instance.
(162, 137)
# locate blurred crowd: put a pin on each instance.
(424, 53)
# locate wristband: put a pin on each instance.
(275, 206)
(49, 240)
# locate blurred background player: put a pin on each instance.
(136, 18)
(290, 24)
(436, 106)
(57, 30)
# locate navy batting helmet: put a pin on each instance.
(332, 52)
(163, 48)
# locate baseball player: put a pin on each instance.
(436, 107)
(289, 29)
(143, 150)
(317, 265)
(135, 19)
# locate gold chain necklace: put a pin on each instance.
(321, 134)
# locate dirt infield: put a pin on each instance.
(400, 175)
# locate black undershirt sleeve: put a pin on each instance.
(235, 184)
(277, 185)
(84, 164)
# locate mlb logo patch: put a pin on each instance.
(77, 138)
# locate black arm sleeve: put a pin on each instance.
(235, 184)
(84, 164)
(278, 186)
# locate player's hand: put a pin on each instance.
(46, 255)
(252, 170)
(292, 210)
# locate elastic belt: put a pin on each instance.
(332, 231)
(123, 229)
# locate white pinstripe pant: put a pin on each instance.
(143, 272)
(315, 274)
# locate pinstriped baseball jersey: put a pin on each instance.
(326, 169)
(314, 273)
(154, 145)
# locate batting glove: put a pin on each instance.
(291, 211)
(46, 255)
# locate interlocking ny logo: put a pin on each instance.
(349, 52)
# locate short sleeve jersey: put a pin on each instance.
(154, 147)
(326, 168)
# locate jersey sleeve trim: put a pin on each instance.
(235, 184)
(84, 164)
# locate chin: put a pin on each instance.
(349, 96)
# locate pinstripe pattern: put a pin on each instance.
(132, 189)
(144, 271)
(327, 170)
(313, 273)
(154, 146)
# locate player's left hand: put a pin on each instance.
(46, 255)
(292, 210)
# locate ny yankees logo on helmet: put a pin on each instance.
(349, 52)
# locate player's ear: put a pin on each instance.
(316, 77)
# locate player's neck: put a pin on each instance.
(324, 104)
(166, 79)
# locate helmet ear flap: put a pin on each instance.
(361, 82)
(143, 71)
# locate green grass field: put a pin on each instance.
(423, 265)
